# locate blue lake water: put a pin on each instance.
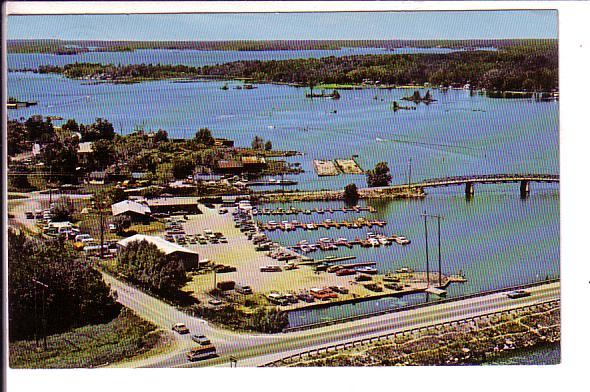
(497, 239)
(197, 57)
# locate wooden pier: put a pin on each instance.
(309, 211)
(327, 224)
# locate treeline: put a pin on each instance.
(531, 67)
(75, 294)
(145, 265)
(81, 46)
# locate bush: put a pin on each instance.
(62, 212)
(379, 176)
(351, 193)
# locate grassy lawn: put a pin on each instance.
(94, 345)
(90, 223)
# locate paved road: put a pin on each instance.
(257, 349)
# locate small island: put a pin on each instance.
(417, 98)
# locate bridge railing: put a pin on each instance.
(415, 306)
(500, 177)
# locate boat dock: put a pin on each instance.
(327, 224)
(271, 182)
(325, 168)
(336, 167)
(297, 211)
(372, 240)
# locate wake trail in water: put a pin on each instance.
(68, 103)
(465, 150)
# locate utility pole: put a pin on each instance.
(426, 244)
(409, 175)
(438, 218)
(44, 317)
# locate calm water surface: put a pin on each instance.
(496, 239)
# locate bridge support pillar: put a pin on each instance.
(469, 189)
(524, 189)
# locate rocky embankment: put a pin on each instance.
(326, 195)
(466, 343)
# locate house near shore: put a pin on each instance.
(189, 257)
(84, 152)
(222, 142)
(174, 204)
(229, 166)
(136, 212)
(254, 163)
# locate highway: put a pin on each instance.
(251, 349)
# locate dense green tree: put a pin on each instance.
(39, 130)
(71, 126)
(103, 154)
(17, 138)
(61, 158)
(351, 193)
(61, 212)
(161, 136)
(204, 137)
(20, 182)
(117, 194)
(122, 223)
(182, 167)
(147, 266)
(258, 143)
(76, 294)
(268, 145)
(100, 129)
(379, 176)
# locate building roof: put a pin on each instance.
(164, 246)
(85, 148)
(130, 206)
(229, 164)
(253, 160)
(172, 201)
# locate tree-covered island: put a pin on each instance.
(530, 66)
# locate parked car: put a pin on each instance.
(339, 289)
(243, 289)
(84, 238)
(112, 228)
(270, 268)
(201, 339)
(180, 328)
(518, 294)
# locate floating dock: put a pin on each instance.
(325, 168)
(297, 211)
(327, 224)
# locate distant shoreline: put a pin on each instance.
(68, 47)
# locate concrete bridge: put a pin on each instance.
(470, 181)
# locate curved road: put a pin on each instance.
(257, 349)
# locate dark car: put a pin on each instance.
(518, 294)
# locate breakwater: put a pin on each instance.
(401, 192)
(470, 341)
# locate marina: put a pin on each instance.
(296, 211)
(327, 224)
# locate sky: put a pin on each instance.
(277, 26)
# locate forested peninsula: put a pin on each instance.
(526, 67)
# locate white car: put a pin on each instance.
(84, 238)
